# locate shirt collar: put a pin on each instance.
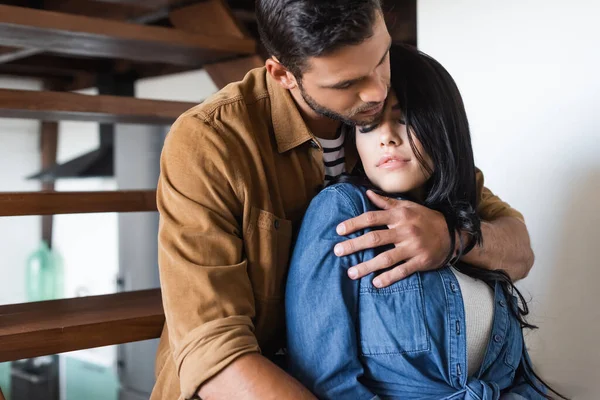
(288, 124)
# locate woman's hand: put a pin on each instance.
(419, 235)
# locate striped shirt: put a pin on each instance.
(333, 156)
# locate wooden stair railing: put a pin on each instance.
(95, 37)
(214, 17)
(58, 106)
(207, 35)
(57, 326)
(51, 203)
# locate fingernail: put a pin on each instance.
(338, 250)
(353, 273)
(341, 229)
(377, 283)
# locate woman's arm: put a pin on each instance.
(321, 303)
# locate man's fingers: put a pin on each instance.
(369, 219)
(397, 274)
(367, 241)
(391, 212)
(382, 261)
(385, 203)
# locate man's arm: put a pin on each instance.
(506, 246)
(506, 243)
(207, 294)
(253, 377)
(421, 240)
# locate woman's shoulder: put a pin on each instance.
(349, 195)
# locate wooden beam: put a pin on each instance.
(213, 17)
(210, 17)
(52, 327)
(245, 16)
(97, 9)
(57, 106)
(95, 37)
(18, 54)
(232, 71)
(52, 66)
(144, 3)
(52, 203)
(49, 147)
(401, 19)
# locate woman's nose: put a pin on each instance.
(388, 136)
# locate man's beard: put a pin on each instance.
(346, 119)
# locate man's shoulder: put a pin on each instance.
(234, 99)
(226, 117)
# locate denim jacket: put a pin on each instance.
(350, 340)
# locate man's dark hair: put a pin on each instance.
(295, 30)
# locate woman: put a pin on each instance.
(453, 333)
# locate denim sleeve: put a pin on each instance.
(321, 303)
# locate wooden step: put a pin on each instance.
(59, 106)
(51, 203)
(52, 327)
(95, 37)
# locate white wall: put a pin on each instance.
(529, 72)
(19, 157)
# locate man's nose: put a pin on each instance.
(375, 91)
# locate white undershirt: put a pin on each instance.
(478, 299)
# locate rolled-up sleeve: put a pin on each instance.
(490, 206)
(207, 295)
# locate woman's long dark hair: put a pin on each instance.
(435, 116)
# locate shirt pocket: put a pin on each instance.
(392, 319)
(267, 245)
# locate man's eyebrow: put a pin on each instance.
(352, 81)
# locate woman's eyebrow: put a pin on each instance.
(396, 107)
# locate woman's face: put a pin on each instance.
(387, 156)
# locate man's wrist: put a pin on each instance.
(464, 243)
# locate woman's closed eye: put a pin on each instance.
(367, 128)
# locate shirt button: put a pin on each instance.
(502, 303)
(453, 287)
(497, 338)
(314, 144)
(276, 224)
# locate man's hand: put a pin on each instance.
(419, 235)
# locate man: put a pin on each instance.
(239, 170)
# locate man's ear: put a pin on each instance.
(281, 74)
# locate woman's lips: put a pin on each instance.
(391, 162)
